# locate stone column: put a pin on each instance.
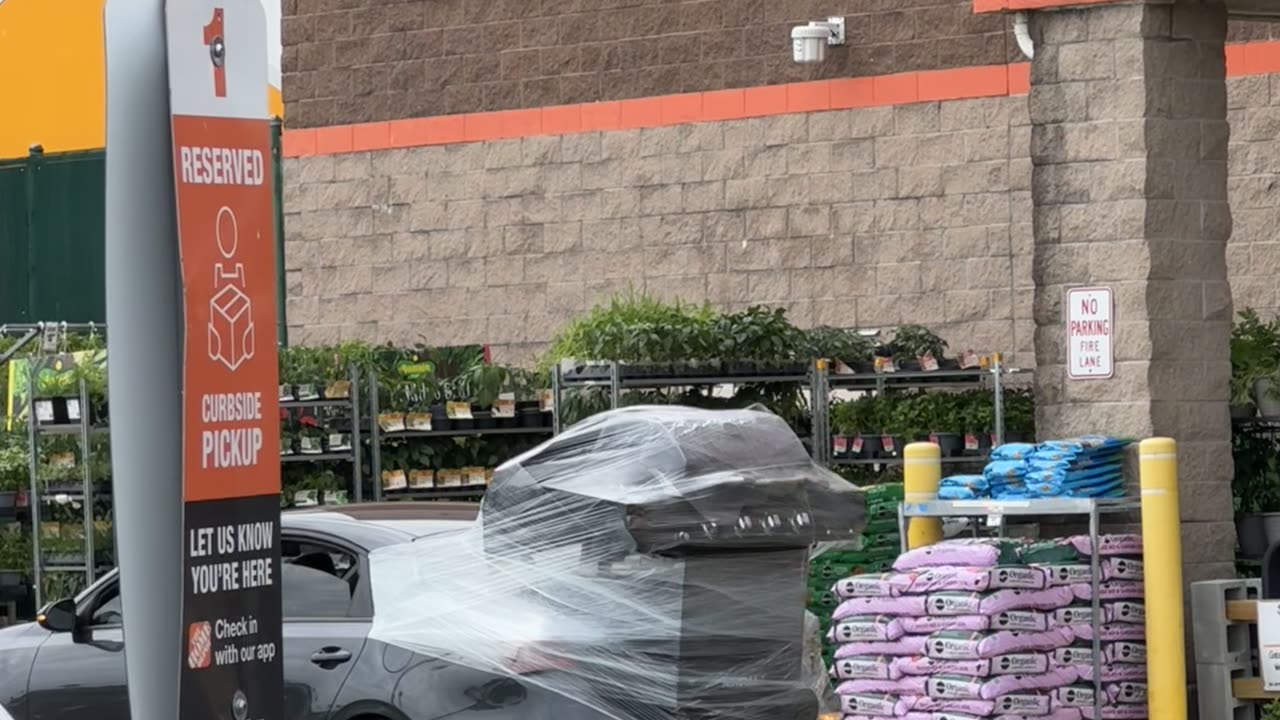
(1129, 186)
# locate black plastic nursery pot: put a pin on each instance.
(13, 585)
(529, 414)
(982, 440)
(483, 419)
(871, 447)
(440, 419)
(588, 372)
(949, 444)
(1243, 411)
(8, 504)
(1013, 437)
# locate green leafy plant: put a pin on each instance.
(1255, 355)
(848, 346)
(914, 341)
(1271, 711)
(1020, 412)
(633, 327)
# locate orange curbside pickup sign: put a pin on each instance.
(217, 52)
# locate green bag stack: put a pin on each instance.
(880, 546)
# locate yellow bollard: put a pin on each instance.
(1162, 567)
(921, 474)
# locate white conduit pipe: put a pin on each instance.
(1023, 34)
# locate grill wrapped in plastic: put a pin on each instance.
(647, 564)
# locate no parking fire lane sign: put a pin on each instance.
(1090, 333)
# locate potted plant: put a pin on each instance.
(915, 347)
(14, 472)
(1019, 415)
(457, 403)
(1255, 365)
(484, 384)
(527, 386)
(54, 389)
(311, 437)
(854, 350)
(286, 433)
(947, 422)
(1256, 492)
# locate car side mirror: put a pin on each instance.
(59, 617)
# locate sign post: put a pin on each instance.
(231, 664)
(1090, 333)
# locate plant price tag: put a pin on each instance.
(969, 360)
(339, 442)
(1269, 643)
(418, 422)
(73, 409)
(473, 476)
(970, 441)
(458, 410)
(546, 400)
(857, 445)
(391, 422)
(394, 480)
(928, 362)
(310, 445)
(505, 407)
(422, 479)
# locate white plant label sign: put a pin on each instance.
(1269, 643)
(1090, 333)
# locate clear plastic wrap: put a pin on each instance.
(648, 564)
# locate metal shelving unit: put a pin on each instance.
(620, 377)
(996, 510)
(39, 498)
(353, 456)
(825, 382)
(377, 435)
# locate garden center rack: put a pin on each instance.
(353, 451)
(377, 436)
(85, 561)
(826, 381)
(619, 376)
(995, 511)
(816, 379)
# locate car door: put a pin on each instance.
(81, 675)
(324, 634)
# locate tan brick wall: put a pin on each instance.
(858, 218)
(863, 218)
(349, 61)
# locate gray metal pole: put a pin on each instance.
(144, 312)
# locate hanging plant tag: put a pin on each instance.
(422, 479)
(338, 390)
(505, 407)
(970, 360)
(886, 443)
(62, 459)
(885, 365)
(286, 392)
(473, 476)
(546, 400)
(391, 422)
(307, 392)
(970, 441)
(857, 444)
(458, 410)
(840, 444)
(419, 422)
(339, 442)
(394, 480)
(449, 478)
(928, 362)
(310, 445)
(44, 411)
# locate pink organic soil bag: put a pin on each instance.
(906, 645)
(880, 667)
(866, 628)
(897, 606)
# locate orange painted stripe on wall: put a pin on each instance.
(990, 6)
(1256, 58)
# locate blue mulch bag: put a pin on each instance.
(957, 492)
(1004, 469)
(1013, 451)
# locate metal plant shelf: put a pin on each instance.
(69, 429)
(1038, 506)
(471, 432)
(435, 494)
(898, 461)
(684, 381)
(317, 457)
(344, 402)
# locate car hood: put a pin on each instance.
(26, 635)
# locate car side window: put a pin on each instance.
(319, 580)
(108, 608)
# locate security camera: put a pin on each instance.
(809, 42)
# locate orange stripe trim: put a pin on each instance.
(990, 6)
(1256, 58)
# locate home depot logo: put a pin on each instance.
(199, 646)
